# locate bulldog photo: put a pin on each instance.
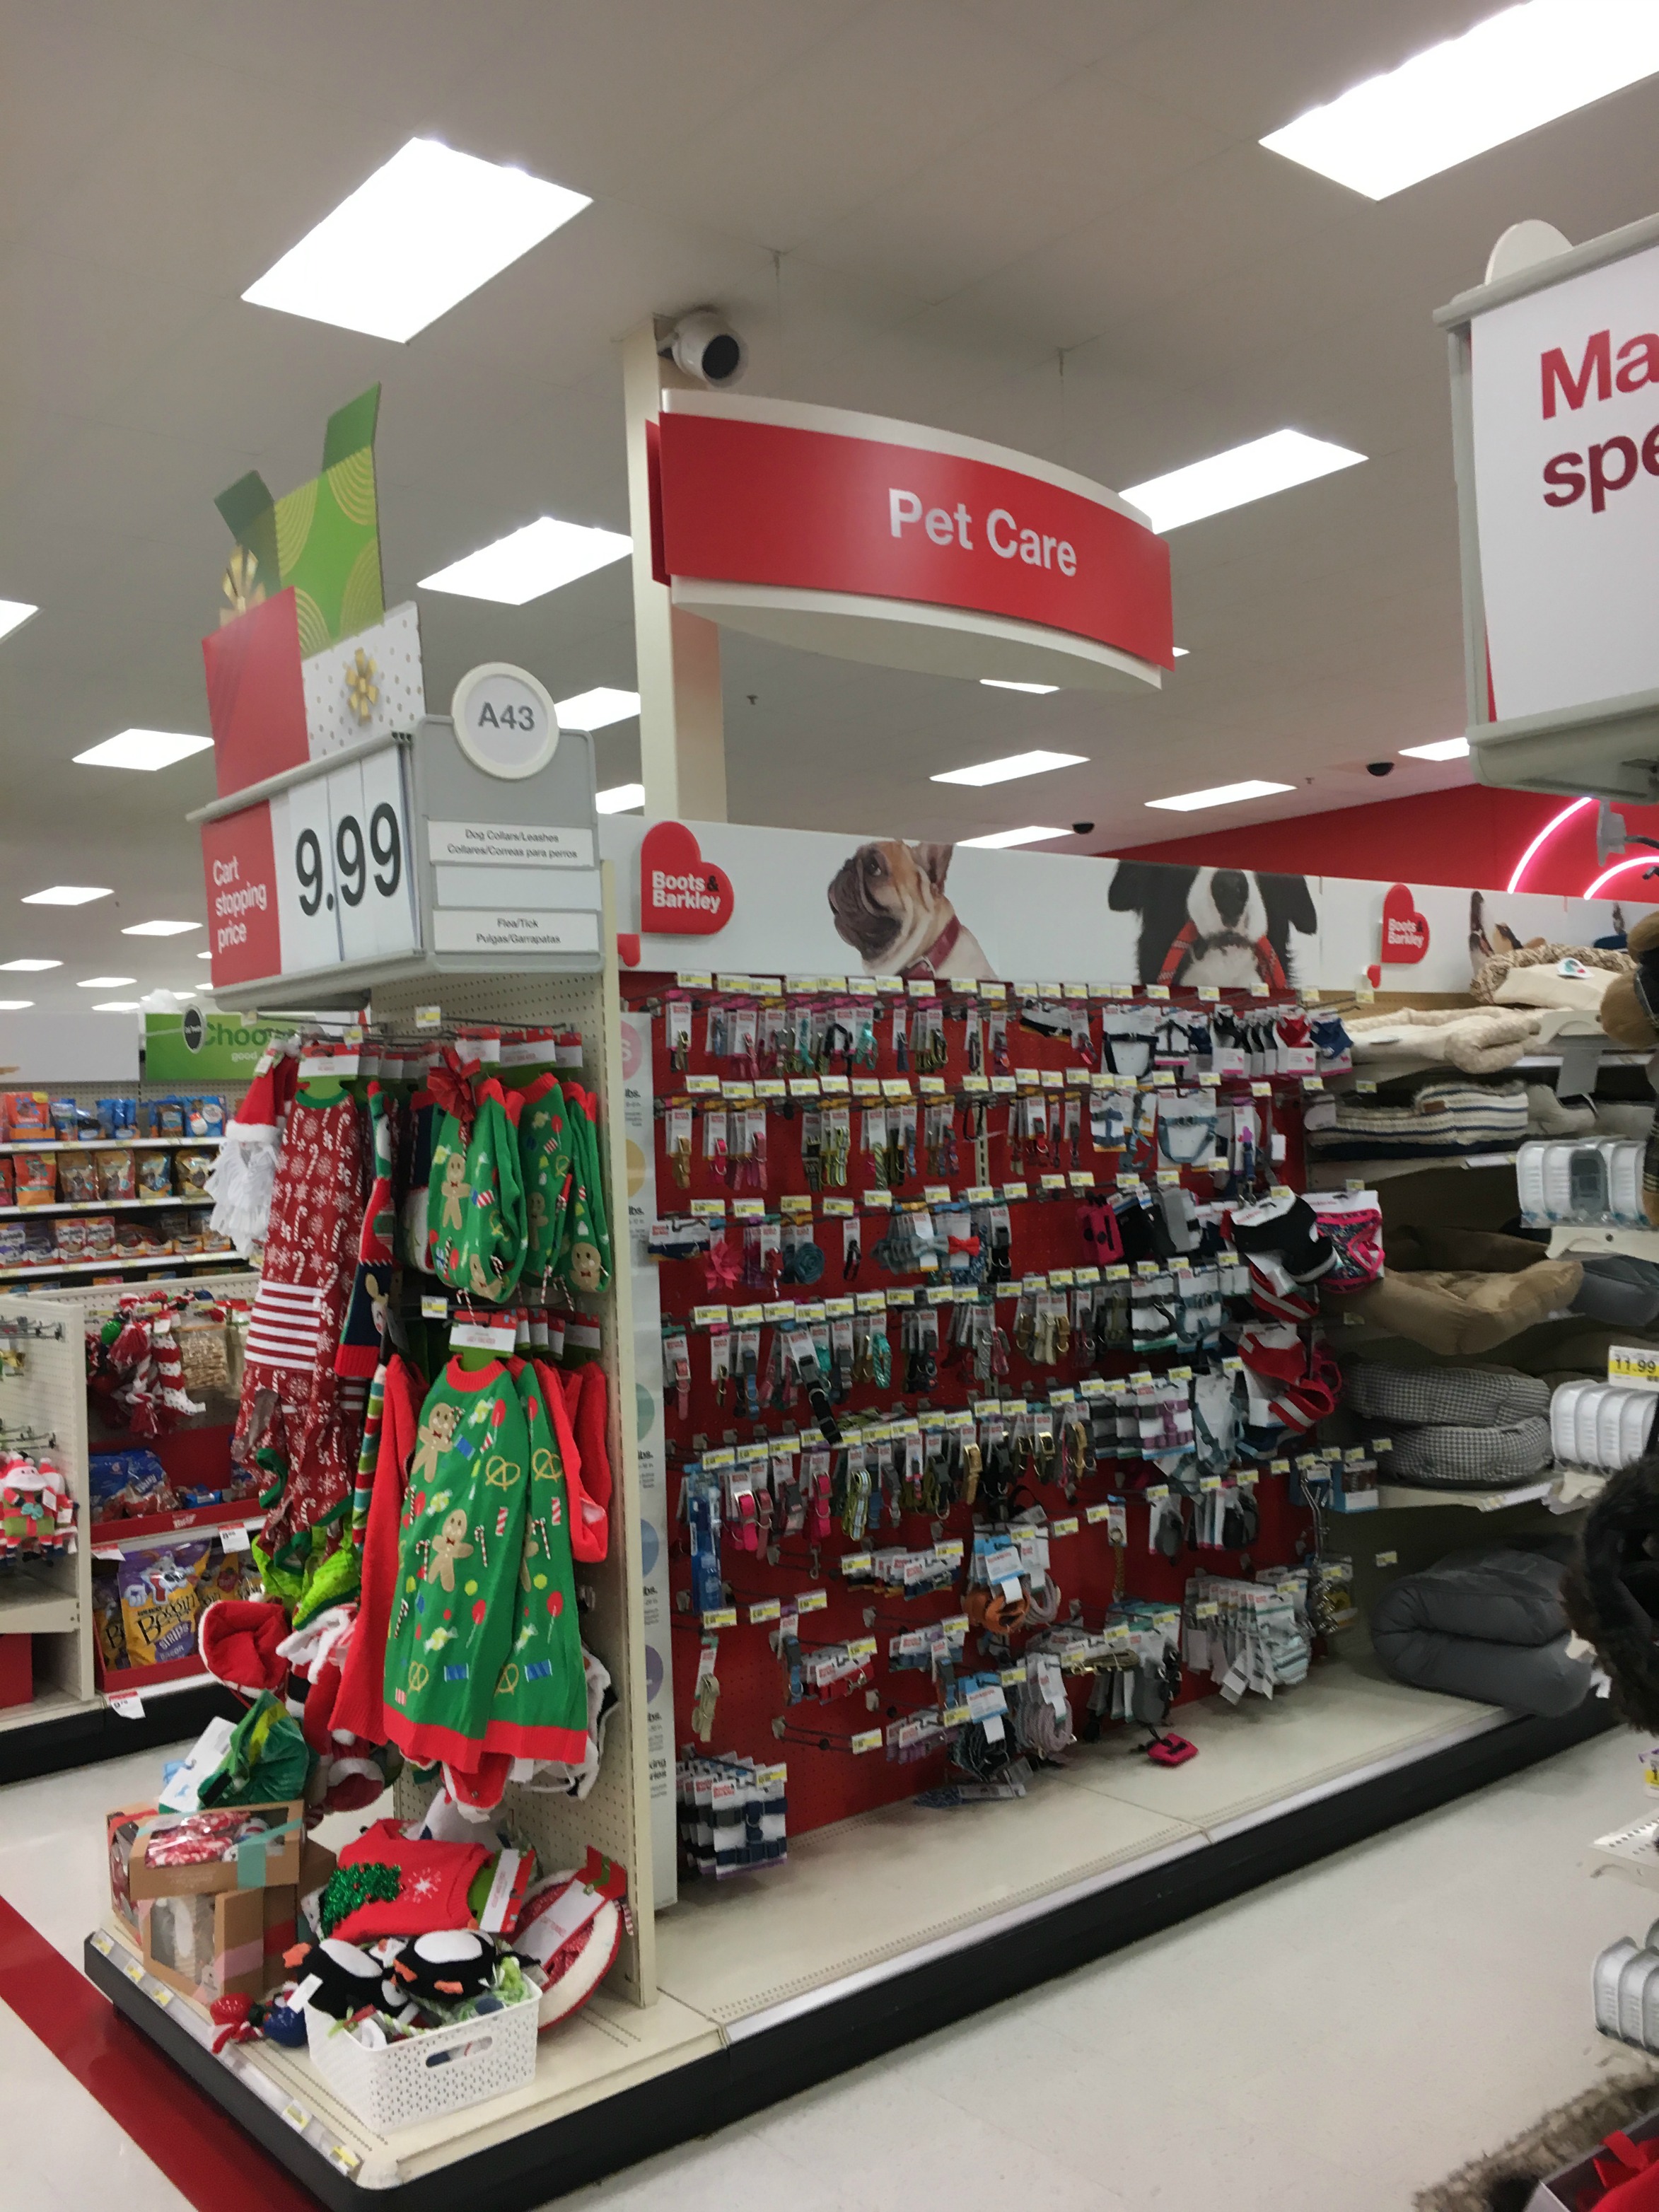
(889, 903)
(1222, 926)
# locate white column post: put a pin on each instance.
(682, 728)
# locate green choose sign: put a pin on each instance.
(199, 1048)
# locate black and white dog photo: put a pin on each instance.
(1223, 926)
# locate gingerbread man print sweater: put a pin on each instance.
(484, 1650)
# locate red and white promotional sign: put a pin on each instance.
(1405, 931)
(888, 542)
(239, 864)
(1565, 392)
(681, 893)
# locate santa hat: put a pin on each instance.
(350, 1771)
(240, 1641)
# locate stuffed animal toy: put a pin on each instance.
(1630, 1004)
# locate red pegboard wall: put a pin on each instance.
(831, 1783)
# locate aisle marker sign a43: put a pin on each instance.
(316, 876)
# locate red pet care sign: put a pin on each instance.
(1405, 931)
(681, 893)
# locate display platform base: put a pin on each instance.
(881, 1930)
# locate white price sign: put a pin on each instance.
(340, 846)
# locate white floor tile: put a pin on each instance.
(69, 2154)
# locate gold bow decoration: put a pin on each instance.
(241, 585)
(362, 692)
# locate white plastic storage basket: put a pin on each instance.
(430, 2074)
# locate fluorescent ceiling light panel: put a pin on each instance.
(104, 982)
(597, 709)
(529, 562)
(66, 894)
(998, 838)
(1005, 684)
(160, 928)
(1508, 76)
(1222, 794)
(1180, 651)
(204, 956)
(14, 613)
(116, 1006)
(14, 1005)
(426, 229)
(1442, 749)
(1275, 463)
(144, 749)
(29, 967)
(621, 799)
(1007, 769)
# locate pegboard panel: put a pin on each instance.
(615, 1817)
(49, 1399)
(975, 1142)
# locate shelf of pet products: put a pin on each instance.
(105, 1206)
(1328, 1174)
(189, 1559)
(1001, 1201)
(93, 1144)
(220, 1256)
(569, 1024)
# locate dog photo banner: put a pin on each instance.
(821, 903)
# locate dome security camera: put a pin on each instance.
(705, 345)
(1379, 768)
(1081, 828)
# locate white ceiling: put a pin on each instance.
(913, 207)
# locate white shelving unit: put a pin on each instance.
(1632, 1853)
(49, 1600)
(52, 1602)
(1575, 1241)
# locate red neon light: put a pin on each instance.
(1542, 839)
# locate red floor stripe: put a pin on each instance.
(203, 2153)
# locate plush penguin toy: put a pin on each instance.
(346, 1978)
(444, 1968)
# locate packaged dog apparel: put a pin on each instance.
(486, 1656)
(36, 1178)
(1352, 1221)
(118, 1178)
(160, 1602)
(477, 1191)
